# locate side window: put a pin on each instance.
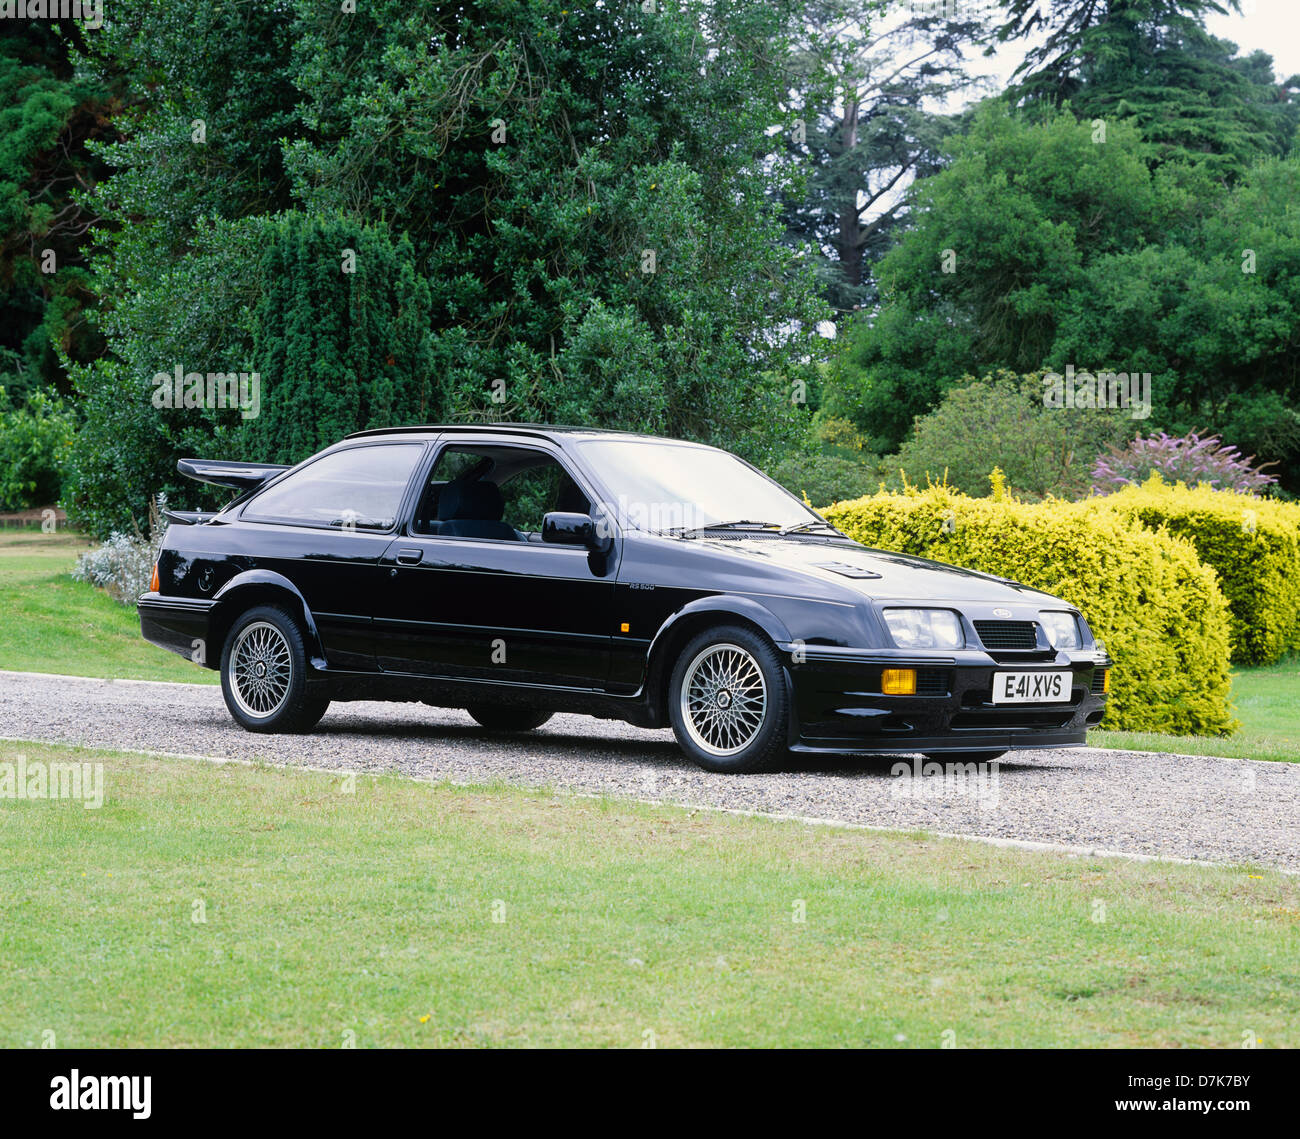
(360, 487)
(530, 494)
(498, 492)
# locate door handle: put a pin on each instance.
(409, 557)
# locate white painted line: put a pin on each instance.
(807, 820)
(101, 679)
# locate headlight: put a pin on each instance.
(1062, 630)
(925, 628)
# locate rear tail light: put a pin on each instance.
(153, 580)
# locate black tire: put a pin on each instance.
(276, 700)
(966, 756)
(498, 719)
(712, 725)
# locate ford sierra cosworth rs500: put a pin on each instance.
(516, 571)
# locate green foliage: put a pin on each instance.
(1253, 544)
(1145, 593)
(1211, 310)
(825, 478)
(585, 194)
(1067, 250)
(337, 351)
(1002, 236)
(197, 312)
(34, 443)
(575, 182)
(1001, 420)
(48, 113)
(1152, 63)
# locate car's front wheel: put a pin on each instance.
(727, 701)
(497, 719)
(264, 673)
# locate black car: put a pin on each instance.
(516, 571)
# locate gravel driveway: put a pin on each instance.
(1223, 810)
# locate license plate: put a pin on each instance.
(1031, 687)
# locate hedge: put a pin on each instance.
(1146, 594)
(1254, 545)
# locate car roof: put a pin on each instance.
(534, 430)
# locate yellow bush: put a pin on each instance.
(1145, 593)
(1253, 544)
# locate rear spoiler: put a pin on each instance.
(221, 472)
(189, 517)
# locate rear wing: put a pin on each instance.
(189, 517)
(222, 472)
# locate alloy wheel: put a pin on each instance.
(723, 699)
(260, 669)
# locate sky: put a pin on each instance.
(1265, 25)
(1272, 26)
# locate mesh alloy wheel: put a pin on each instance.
(260, 669)
(264, 673)
(723, 699)
(728, 700)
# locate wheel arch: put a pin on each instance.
(261, 587)
(692, 619)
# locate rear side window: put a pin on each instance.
(359, 488)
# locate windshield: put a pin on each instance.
(677, 487)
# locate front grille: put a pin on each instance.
(1007, 634)
(1098, 681)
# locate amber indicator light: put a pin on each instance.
(898, 682)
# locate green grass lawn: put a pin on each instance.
(371, 912)
(1267, 704)
(54, 624)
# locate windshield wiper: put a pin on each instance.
(802, 527)
(687, 531)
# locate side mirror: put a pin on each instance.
(574, 530)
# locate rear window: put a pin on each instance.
(359, 488)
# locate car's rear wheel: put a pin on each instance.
(264, 673)
(498, 719)
(727, 700)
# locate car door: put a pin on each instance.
(469, 590)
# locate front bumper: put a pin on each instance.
(839, 706)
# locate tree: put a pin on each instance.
(867, 126)
(340, 337)
(1001, 236)
(48, 115)
(585, 192)
(1214, 313)
(1152, 62)
(593, 177)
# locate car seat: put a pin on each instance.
(473, 510)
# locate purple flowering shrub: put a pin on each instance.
(1189, 459)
